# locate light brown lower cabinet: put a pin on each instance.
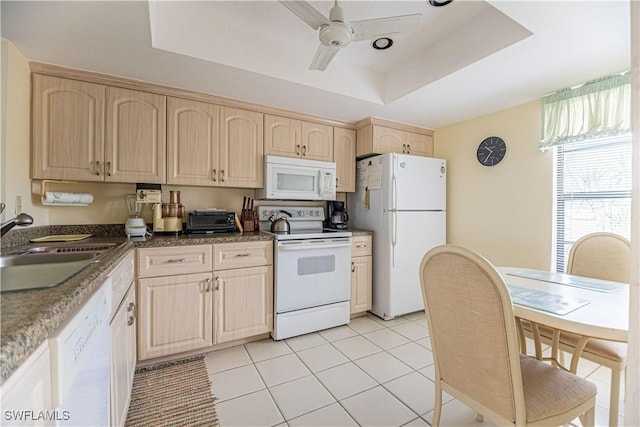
(185, 312)
(361, 274)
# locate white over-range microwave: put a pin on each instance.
(287, 178)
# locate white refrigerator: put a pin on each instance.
(402, 198)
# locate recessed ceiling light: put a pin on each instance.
(438, 3)
(382, 43)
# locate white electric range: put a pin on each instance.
(312, 273)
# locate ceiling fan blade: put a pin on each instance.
(307, 13)
(368, 29)
(323, 57)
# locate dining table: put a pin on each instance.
(590, 308)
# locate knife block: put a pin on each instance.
(248, 220)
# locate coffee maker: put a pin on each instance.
(337, 216)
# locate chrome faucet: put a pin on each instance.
(20, 220)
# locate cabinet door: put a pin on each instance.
(344, 154)
(123, 358)
(28, 389)
(241, 148)
(174, 314)
(68, 129)
(282, 136)
(361, 277)
(244, 303)
(317, 142)
(419, 144)
(192, 142)
(135, 136)
(388, 140)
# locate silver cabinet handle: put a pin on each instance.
(213, 175)
(404, 148)
(408, 149)
(361, 246)
(217, 283)
(131, 308)
(108, 168)
(304, 150)
(221, 175)
(208, 285)
(353, 267)
(98, 167)
(177, 260)
(242, 255)
(298, 149)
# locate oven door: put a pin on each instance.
(312, 272)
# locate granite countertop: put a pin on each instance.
(28, 318)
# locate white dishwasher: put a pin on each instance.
(80, 364)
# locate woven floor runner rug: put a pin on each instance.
(176, 394)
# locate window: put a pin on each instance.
(593, 191)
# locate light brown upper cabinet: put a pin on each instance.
(374, 138)
(92, 132)
(241, 160)
(344, 154)
(135, 145)
(68, 129)
(297, 138)
(192, 142)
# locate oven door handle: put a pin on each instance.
(297, 247)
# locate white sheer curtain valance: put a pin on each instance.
(595, 109)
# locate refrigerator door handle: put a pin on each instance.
(394, 193)
(394, 234)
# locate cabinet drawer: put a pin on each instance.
(241, 255)
(121, 276)
(153, 262)
(360, 246)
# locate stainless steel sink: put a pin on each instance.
(47, 266)
(47, 258)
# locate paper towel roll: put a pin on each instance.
(57, 198)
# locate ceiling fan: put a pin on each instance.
(335, 32)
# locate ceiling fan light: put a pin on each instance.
(382, 43)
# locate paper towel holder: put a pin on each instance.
(43, 190)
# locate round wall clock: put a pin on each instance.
(491, 151)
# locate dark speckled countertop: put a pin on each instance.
(28, 318)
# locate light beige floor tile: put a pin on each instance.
(306, 341)
(413, 355)
(415, 315)
(345, 380)
(602, 417)
(363, 324)
(388, 323)
(236, 382)
(281, 369)
(382, 367)
(429, 372)
(424, 342)
(386, 338)
(322, 357)
(332, 415)
(421, 322)
(339, 333)
(356, 347)
(255, 409)
(456, 414)
(411, 330)
(377, 407)
(227, 358)
(414, 390)
(266, 349)
(418, 422)
(300, 396)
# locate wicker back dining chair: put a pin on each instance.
(476, 353)
(604, 256)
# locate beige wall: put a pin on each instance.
(504, 212)
(14, 167)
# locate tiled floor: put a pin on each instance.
(369, 373)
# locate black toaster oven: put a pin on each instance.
(211, 222)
